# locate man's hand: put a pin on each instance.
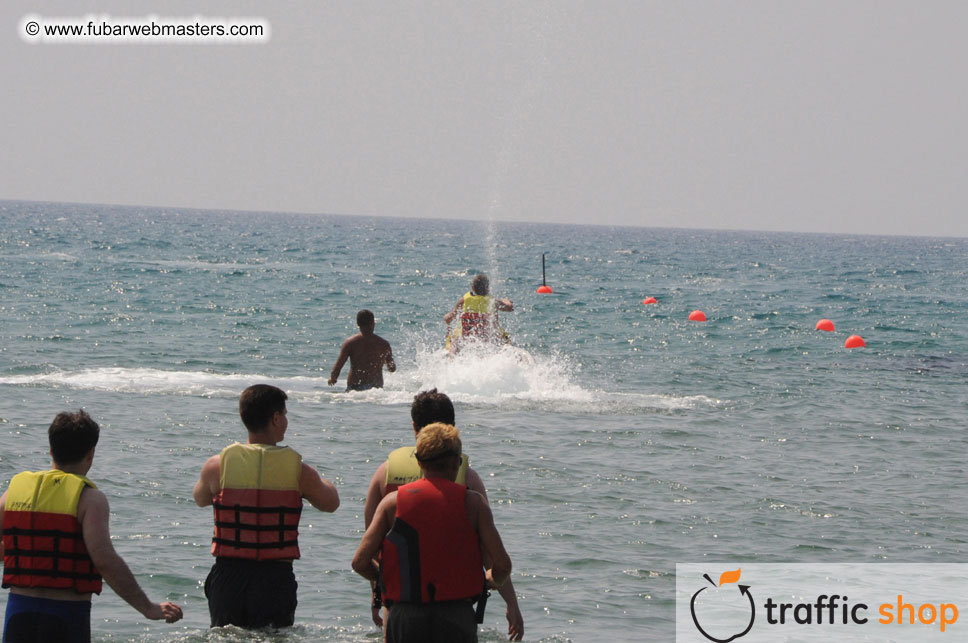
(167, 611)
(515, 624)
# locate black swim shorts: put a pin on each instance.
(447, 622)
(251, 594)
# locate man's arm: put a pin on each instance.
(492, 548)
(3, 503)
(475, 483)
(363, 560)
(513, 612)
(504, 305)
(388, 359)
(374, 494)
(344, 354)
(208, 483)
(320, 493)
(93, 513)
(449, 317)
(507, 591)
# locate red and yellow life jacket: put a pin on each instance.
(478, 317)
(43, 545)
(431, 554)
(402, 468)
(258, 508)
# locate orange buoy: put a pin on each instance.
(544, 288)
(855, 341)
(648, 300)
(697, 315)
(825, 324)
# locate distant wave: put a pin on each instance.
(147, 381)
(510, 379)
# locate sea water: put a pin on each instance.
(615, 438)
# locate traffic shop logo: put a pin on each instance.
(727, 595)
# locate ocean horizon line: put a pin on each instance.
(173, 209)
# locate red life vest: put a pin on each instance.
(431, 553)
(258, 508)
(43, 545)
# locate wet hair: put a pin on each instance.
(364, 318)
(429, 407)
(480, 285)
(436, 442)
(72, 436)
(259, 403)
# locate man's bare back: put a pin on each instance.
(367, 352)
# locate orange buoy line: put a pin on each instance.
(854, 341)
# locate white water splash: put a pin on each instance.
(509, 378)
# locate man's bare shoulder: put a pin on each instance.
(475, 482)
(382, 342)
(381, 473)
(92, 501)
(475, 497)
(353, 340)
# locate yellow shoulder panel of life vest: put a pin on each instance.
(478, 303)
(403, 468)
(259, 466)
(51, 491)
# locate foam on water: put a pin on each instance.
(509, 378)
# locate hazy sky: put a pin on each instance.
(823, 116)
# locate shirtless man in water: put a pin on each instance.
(367, 352)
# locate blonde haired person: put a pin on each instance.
(402, 466)
(433, 536)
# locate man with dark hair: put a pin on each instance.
(367, 352)
(51, 579)
(435, 537)
(478, 316)
(401, 467)
(259, 403)
(429, 407)
(256, 490)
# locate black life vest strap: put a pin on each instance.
(481, 604)
(17, 571)
(259, 510)
(230, 542)
(43, 533)
(24, 553)
(239, 526)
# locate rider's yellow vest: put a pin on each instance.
(477, 317)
